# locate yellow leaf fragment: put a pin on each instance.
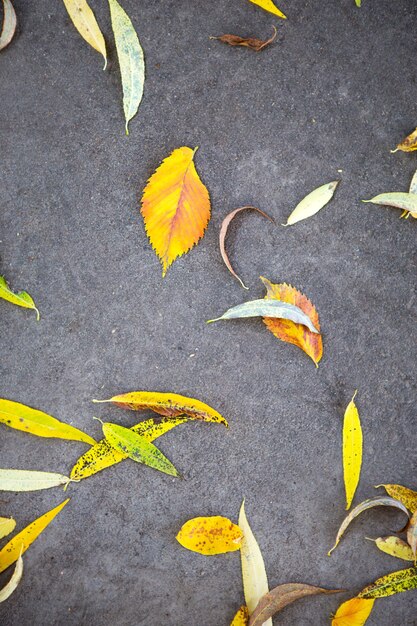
(21, 542)
(242, 617)
(11, 586)
(403, 494)
(22, 298)
(7, 525)
(412, 536)
(409, 144)
(210, 535)
(268, 5)
(394, 546)
(352, 450)
(354, 612)
(85, 22)
(175, 207)
(255, 581)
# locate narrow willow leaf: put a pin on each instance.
(103, 455)
(352, 450)
(397, 582)
(9, 24)
(268, 308)
(131, 60)
(405, 495)
(353, 612)
(22, 298)
(223, 233)
(364, 506)
(21, 542)
(255, 581)
(312, 203)
(394, 546)
(242, 617)
(280, 597)
(22, 480)
(166, 404)
(412, 535)
(34, 422)
(7, 525)
(11, 586)
(210, 535)
(399, 200)
(247, 42)
(413, 184)
(268, 5)
(409, 144)
(85, 22)
(137, 448)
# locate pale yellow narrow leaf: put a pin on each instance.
(255, 581)
(25, 480)
(85, 22)
(7, 525)
(352, 450)
(312, 203)
(268, 5)
(7, 591)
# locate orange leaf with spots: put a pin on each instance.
(289, 331)
(210, 535)
(175, 207)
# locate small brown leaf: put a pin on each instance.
(247, 42)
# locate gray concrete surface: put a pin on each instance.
(336, 92)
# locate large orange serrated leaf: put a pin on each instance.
(175, 207)
(289, 331)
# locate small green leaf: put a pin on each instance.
(22, 298)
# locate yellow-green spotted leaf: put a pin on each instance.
(7, 591)
(21, 298)
(85, 22)
(25, 480)
(403, 494)
(131, 60)
(210, 535)
(397, 582)
(7, 525)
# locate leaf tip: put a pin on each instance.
(393, 151)
(38, 315)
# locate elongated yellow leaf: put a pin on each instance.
(34, 422)
(7, 591)
(131, 60)
(412, 535)
(397, 582)
(242, 617)
(21, 542)
(353, 612)
(7, 525)
(210, 535)
(268, 5)
(312, 203)
(85, 22)
(405, 495)
(166, 404)
(102, 455)
(22, 298)
(255, 581)
(394, 546)
(9, 24)
(352, 450)
(23, 480)
(175, 207)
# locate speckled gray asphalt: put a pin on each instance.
(336, 91)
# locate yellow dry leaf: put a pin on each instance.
(7, 525)
(85, 22)
(268, 5)
(210, 535)
(354, 612)
(403, 494)
(394, 546)
(242, 617)
(175, 207)
(352, 450)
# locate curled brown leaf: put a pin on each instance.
(248, 42)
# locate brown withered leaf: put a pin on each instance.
(247, 42)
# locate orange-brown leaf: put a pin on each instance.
(248, 42)
(289, 331)
(175, 207)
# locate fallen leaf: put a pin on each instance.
(280, 597)
(137, 448)
(255, 580)
(166, 404)
(364, 506)
(21, 542)
(9, 24)
(396, 582)
(268, 5)
(413, 184)
(7, 525)
(131, 60)
(312, 203)
(399, 200)
(412, 535)
(267, 308)
(358, 3)
(34, 422)
(353, 612)
(287, 330)
(175, 207)
(352, 450)
(408, 144)
(22, 298)
(11, 586)
(223, 233)
(407, 496)
(210, 535)
(85, 22)
(253, 44)
(394, 546)
(242, 617)
(24, 480)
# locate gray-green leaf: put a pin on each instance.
(399, 200)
